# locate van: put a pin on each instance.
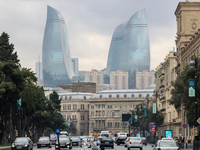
(105, 133)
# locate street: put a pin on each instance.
(116, 147)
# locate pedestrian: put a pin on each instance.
(161, 137)
(183, 138)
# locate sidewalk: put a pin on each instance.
(5, 147)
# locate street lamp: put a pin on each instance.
(157, 96)
(194, 64)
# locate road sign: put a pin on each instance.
(154, 108)
(198, 120)
(199, 127)
(184, 125)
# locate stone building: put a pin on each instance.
(91, 113)
(165, 73)
(187, 42)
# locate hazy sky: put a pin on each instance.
(90, 25)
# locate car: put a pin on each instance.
(120, 139)
(135, 142)
(85, 144)
(64, 142)
(105, 133)
(92, 138)
(24, 143)
(106, 142)
(99, 140)
(165, 144)
(144, 141)
(44, 142)
(53, 138)
(126, 142)
(75, 140)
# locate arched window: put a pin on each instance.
(70, 97)
(110, 96)
(117, 95)
(140, 95)
(84, 97)
(132, 95)
(100, 96)
(65, 97)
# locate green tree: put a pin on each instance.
(55, 98)
(180, 93)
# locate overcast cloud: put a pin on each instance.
(90, 25)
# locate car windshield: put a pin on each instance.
(135, 138)
(44, 139)
(17, 140)
(168, 144)
(53, 136)
(63, 139)
(106, 139)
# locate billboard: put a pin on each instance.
(168, 133)
(126, 117)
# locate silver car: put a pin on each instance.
(135, 142)
(165, 145)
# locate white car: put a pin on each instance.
(135, 142)
(99, 140)
(126, 142)
(166, 145)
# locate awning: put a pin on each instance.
(91, 134)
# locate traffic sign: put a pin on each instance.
(184, 125)
(198, 120)
(199, 127)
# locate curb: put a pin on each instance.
(6, 147)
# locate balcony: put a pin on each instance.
(161, 88)
(162, 76)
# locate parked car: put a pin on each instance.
(75, 141)
(126, 142)
(166, 144)
(44, 142)
(135, 142)
(65, 142)
(24, 143)
(106, 142)
(144, 141)
(53, 138)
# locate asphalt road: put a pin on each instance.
(116, 147)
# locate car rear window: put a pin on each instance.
(134, 138)
(168, 144)
(106, 139)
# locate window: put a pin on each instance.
(92, 124)
(64, 107)
(82, 126)
(69, 106)
(108, 113)
(115, 124)
(115, 106)
(108, 106)
(82, 106)
(74, 106)
(92, 107)
(82, 117)
(88, 106)
(73, 117)
(125, 106)
(130, 106)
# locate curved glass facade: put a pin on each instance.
(56, 57)
(129, 48)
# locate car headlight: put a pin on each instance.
(26, 145)
(13, 145)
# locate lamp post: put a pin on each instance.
(157, 96)
(194, 64)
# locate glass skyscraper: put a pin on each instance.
(56, 57)
(129, 48)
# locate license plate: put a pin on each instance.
(135, 143)
(75, 143)
(107, 142)
(43, 145)
(19, 147)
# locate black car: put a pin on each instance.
(44, 142)
(75, 141)
(64, 142)
(144, 141)
(24, 143)
(106, 142)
